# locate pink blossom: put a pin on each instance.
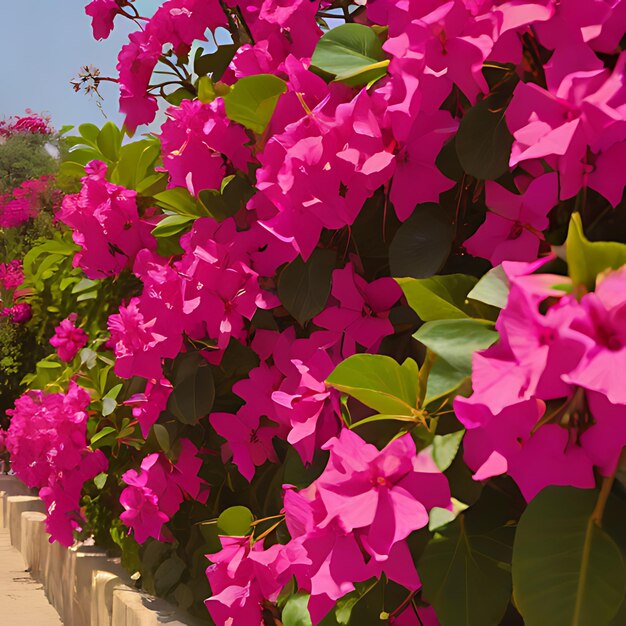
(513, 228)
(103, 13)
(195, 141)
(68, 339)
(11, 274)
(154, 494)
(19, 313)
(359, 311)
(576, 124)
(249, 441)
(106, 224)
(147, 406)
(24, 203)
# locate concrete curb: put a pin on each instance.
(82, 584)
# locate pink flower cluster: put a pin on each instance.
(19, 313)
(68, 339)
(548, 403)
(47, 442)
(105, 223)
(350, 525)
(11, 274)
(154, 494)
(29, 123)
(24, 203)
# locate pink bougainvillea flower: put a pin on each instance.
(507, 443)
(417, 179)
(68, 339)
(24, 203)
(601, 368)
(11, 274)
(198, 142)
(154, 494)
(103, 13)
(513, 228)
(386, 494)
(359, 313)
(106, 224)
(250, 442)
(147, 406)
(19, 313)
(575, 124)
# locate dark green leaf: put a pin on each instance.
(215, 63)
(352, 54)
(252, 100)
(172, 225)
(168, 574)
(466, 578)
(379, 382)
(180, 201)
(422, 244)
(235, 521)
(194, 390)
(483, 142)
(304, 287)
(566, 570)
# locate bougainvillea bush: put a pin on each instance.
(344, 341)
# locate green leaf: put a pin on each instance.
(235, 521)
(483, 141)
(442, 380)
(456, 340)
(445, 448)
(466, 578)
(108, 406)
(114, 391)
(439, 297)
(296, 612)
(194, 389)
(379, 382)
(566, 570)
(352, 54)
(492, 289)
(252, 100)
(586, 259)
(168, 574)
(104, 438)
(162, 436)
(172, 225)
(89, 132)
(422, 244)
(100, 480)
(180, 201)
(110, 141)
(304, 286)
(232, 197)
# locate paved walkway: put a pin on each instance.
(22, 599)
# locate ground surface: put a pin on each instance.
(22, 599)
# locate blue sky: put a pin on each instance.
(45, 43)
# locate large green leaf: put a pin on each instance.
(352, 54)
(252, 100)
(483, 142)
(379, 382)
(438, 297)
(304, 286)
(422, 244)
(566, 570)
(466, 577)
(181, 202)
(586, 259)
(456, 340)
(194, 389)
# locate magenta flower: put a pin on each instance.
(147, 406)
(11, 274)
(195, 141)
(250, 443)
(19, 313)
(68, 339)
(359, 312)
(514, 225)
(386, 495)
(106, 224)
(103, 13)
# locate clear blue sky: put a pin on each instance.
(45, 43)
